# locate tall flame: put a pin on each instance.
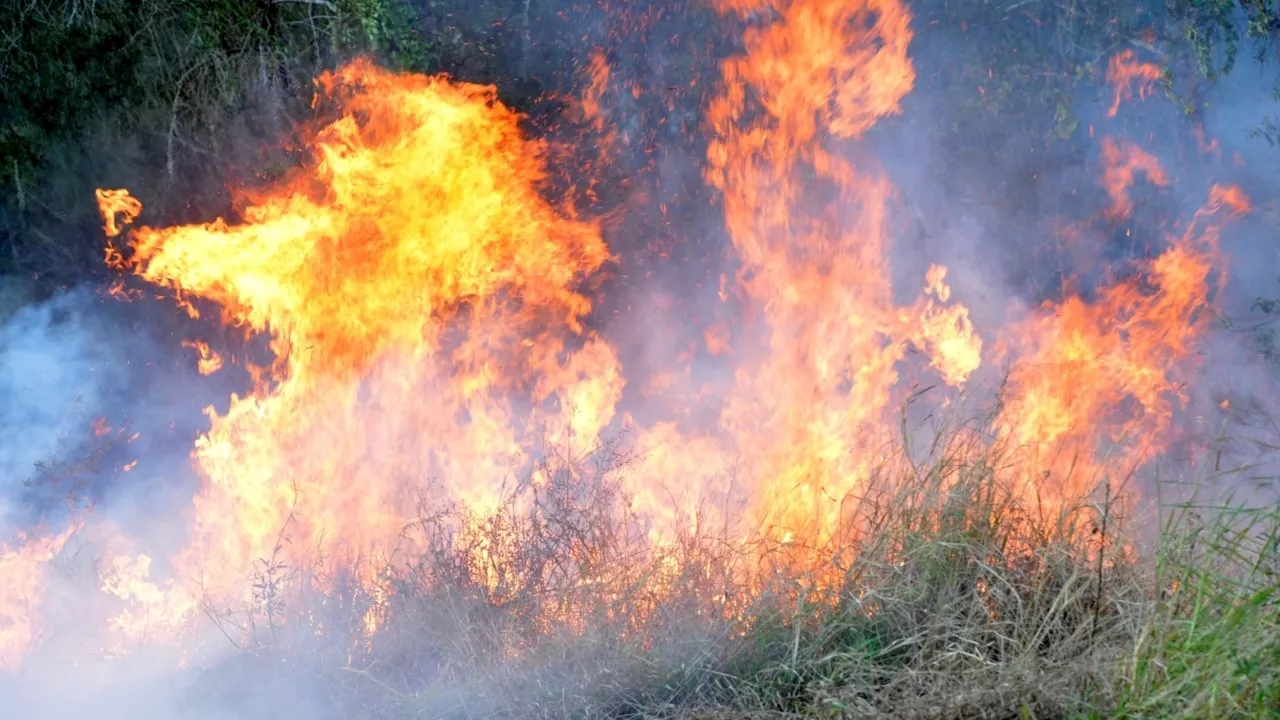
(414, 281)
(812, 228)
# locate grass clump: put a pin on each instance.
(1210, 646)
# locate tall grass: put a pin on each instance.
(950, 596)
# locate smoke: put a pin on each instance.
(90, 377)
(101, 407)
(56, 381)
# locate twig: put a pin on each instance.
(1102, 547)
(173, 129)
(322, 3)
(524, 40)
(17, 181)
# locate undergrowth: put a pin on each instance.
(948, 596)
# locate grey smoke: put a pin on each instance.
(77, 357)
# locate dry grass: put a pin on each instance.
(954, 600)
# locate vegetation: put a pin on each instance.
(951, 599)
(178, 97)
(1033, 59)
(175, 98)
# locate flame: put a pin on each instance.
(598, 75)
(718, 338)
(1123, 162)
(1096, 384)
(1229, 197)
(208, 361)
(152, 612)
(424, 297)
(1124, 72)
(113, 203)
(22, 574)
(811, 401)
(411, 277)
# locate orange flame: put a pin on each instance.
(1230, 197)
(410, 277)
(1094, 393)
(1124, 72)
(598, 74)
(112, 204)
(1123, 162)
(208, 362)
(22, 570)
(425, 308)
(809, 408)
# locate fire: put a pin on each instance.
(208, 361)
(425, 299)
(598, 74)
(1123, 162)
(1093, 394)
(1096, 383)
(808, 407)
(152, 612)
(23, 569)
(114, 203)
(1125, 72)
(1230, 197)
(718, 338)
(413, 280)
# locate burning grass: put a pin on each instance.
(946, 596)
(430, 304)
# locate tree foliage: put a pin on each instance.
(174, 98)
(177, 97)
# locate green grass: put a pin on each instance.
(1211, 644)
